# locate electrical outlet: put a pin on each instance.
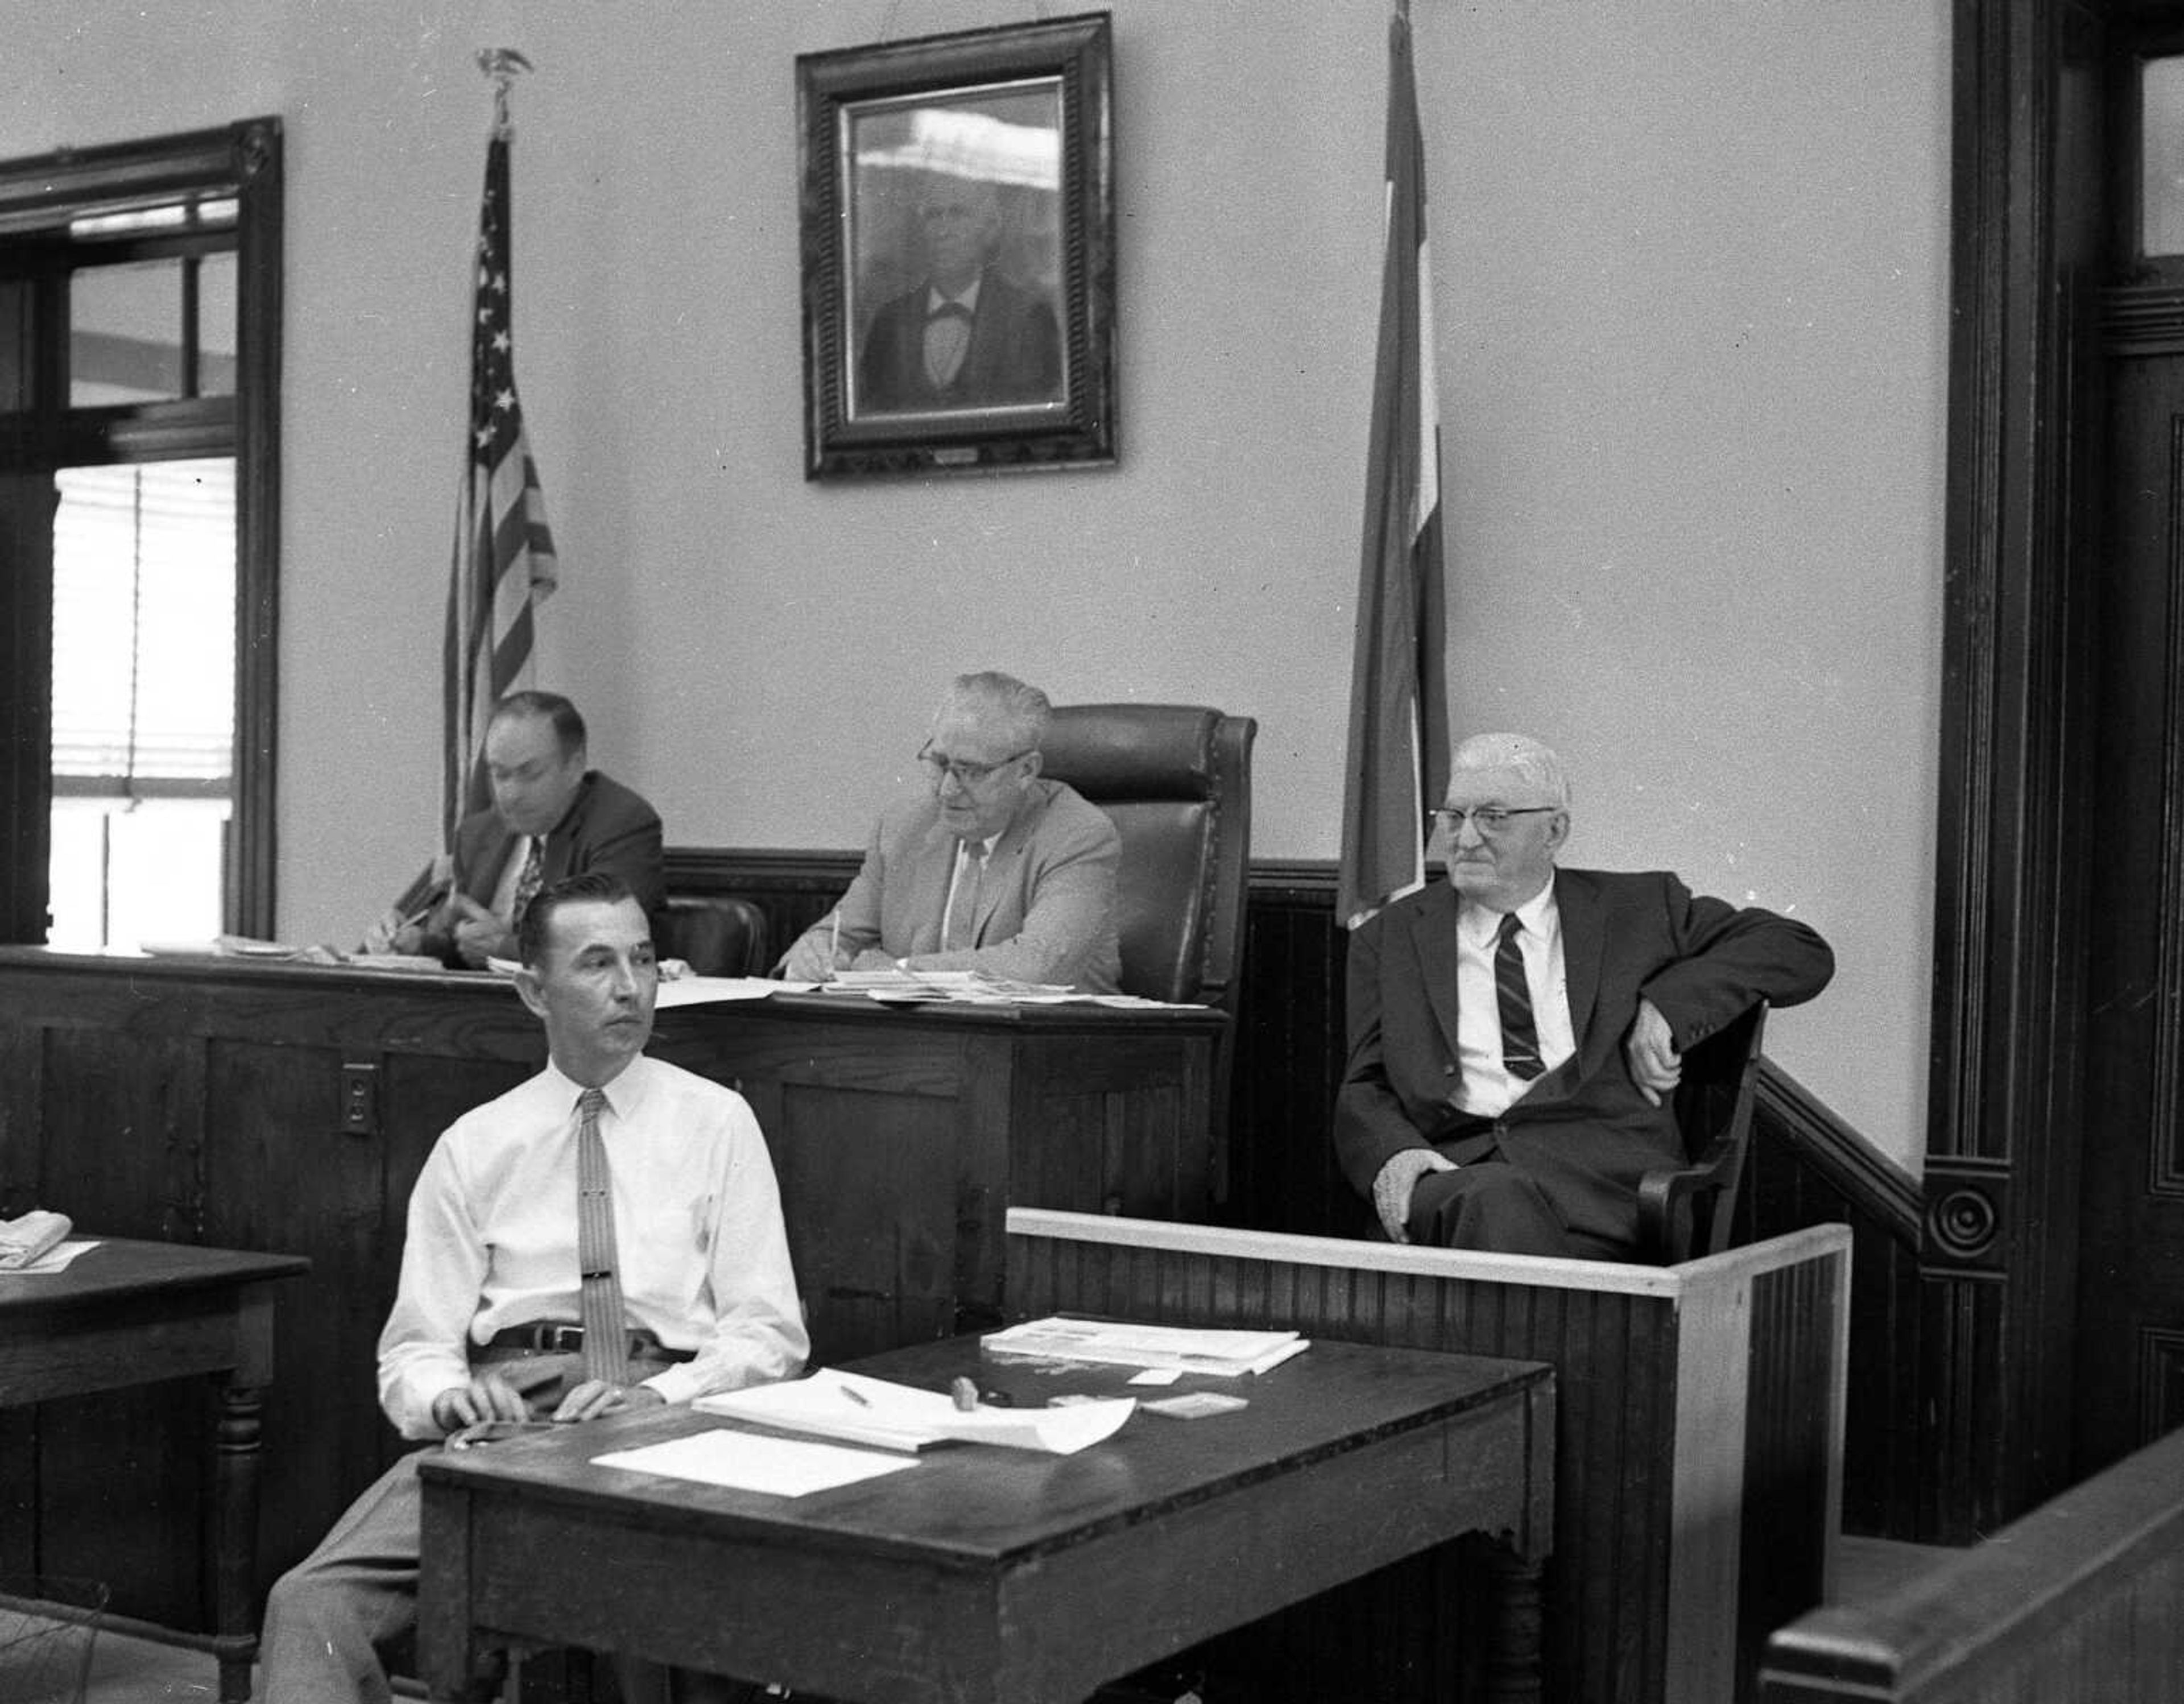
(359, 1099)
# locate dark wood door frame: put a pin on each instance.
(1998, 1249)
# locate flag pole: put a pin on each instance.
(503, 65)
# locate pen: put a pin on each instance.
(856, 1396)
(834, 941)
(433, 895)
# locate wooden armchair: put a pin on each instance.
(1685, 1210)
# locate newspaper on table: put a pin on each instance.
(1224, 1354)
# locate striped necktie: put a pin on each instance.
(527, 882)
(1520, 1038)
(958, 926)
(606, 1341)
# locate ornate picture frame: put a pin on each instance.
(958, 239)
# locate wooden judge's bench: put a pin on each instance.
(289, 1107)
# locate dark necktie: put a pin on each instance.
(606, 1337)
(527, 882)
(1520, 1038)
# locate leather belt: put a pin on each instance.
(549, 1337)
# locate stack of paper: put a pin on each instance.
(972, 988)
(1224, 1354)
(849, 1405)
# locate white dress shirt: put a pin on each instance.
(698, 1241)
(1488, 1089)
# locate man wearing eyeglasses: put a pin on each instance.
(991, 867)
(1515, 1031)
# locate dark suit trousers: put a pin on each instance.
(1489, 1205)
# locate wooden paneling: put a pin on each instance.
(1670, 1403)
(2074, 1603)
(205, 1103)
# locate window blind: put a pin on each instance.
(144, 624)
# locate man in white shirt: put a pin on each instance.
(1516, 1031)
(487, 1322)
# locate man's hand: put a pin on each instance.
(811, 958)
(488, 1397)
(1656, 1066)
(389, 933)
(1392, 1188)
(872, 959)
(480, 935)
(595, 1397)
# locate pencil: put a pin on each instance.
(856, 1396)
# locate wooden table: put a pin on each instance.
(991, 1576)
(128, 1314)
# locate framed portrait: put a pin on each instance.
(959, 251)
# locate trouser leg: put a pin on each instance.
(1488, 1204)
(327, 1616)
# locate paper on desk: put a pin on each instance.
(1225, 1354)
(710, 990)
(23, 1241)
(897, 1417)
(57, 1259)
(747, 1462)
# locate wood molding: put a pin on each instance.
(1867, 1177)
(2010, 901)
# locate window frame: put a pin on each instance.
(38, 194)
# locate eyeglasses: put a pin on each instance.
(965, 774)
(1487, 819)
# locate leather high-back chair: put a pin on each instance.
(1684, 1212)
(1177, 779)
(716, 934)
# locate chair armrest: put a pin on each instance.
(1665, 1193)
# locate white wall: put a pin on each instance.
(1691, 271)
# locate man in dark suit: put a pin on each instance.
(967, 337)
(1515, 1030)
(551, 817)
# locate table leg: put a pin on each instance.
(1514, 1638)
(235, 1533)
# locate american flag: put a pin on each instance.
(1398, 766)
(504, 557)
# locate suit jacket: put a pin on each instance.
(1014, 356)
(1046, 899)
(606, 827)
(1585, 1130)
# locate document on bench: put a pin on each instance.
(749, 1462)
(1224, 1353)
(694, 990)
(831, 1403)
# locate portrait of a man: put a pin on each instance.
(956, 256)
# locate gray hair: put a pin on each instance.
(1541, 769)
(1022, 711)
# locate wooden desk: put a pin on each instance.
(989, 1576)
(129, 1313)
(292, 1106)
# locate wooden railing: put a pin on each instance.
(1697, 1451)
(2076, 1602)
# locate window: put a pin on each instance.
(139, 366)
